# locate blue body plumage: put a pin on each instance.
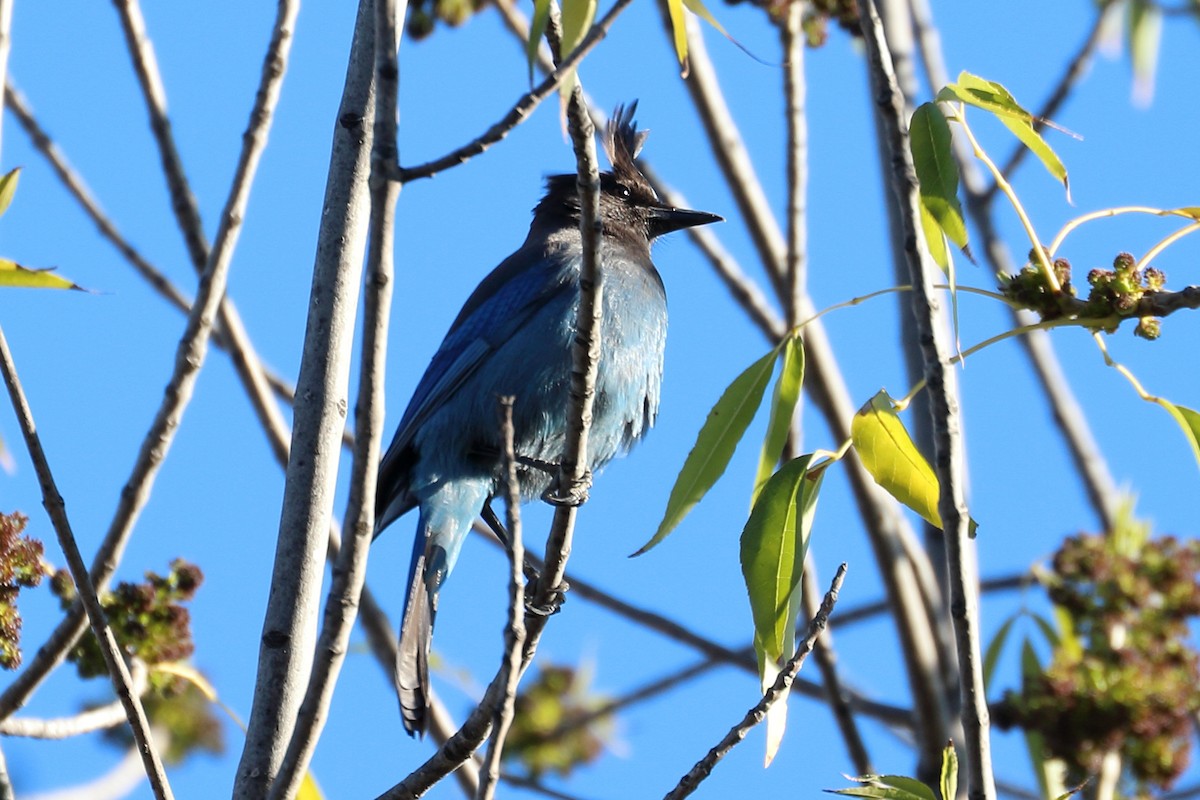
(513, 337)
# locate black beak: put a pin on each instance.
(664, 219)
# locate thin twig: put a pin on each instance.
(514, 631)
(56, 508)
(189, 357)
(78, 189)
(745, 292)
(574, 471)
(96, 719)
(866, 611)
(731, 154)
(1076, 67)
(523, 107)
(795, 94)
(1090, 464)
(948, 455)
(145, 65)
(6, 788)
(740, 658)
(826, 658)
(704, 767)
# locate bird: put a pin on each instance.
(513, 338)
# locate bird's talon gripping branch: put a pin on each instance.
(554, 601)
(569, 494)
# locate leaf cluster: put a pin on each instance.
(555, 728)
(1123, 678)
(147, 619)
(20, 567)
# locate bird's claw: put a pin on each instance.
(553, 603)
(569, 493)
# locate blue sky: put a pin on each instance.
(94, 364)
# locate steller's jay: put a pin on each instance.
(513, 337)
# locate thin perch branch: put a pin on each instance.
(948, 456)
(704, 767)
(514, 632)
(56, 508)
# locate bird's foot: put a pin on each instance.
(553, 603)
(568, 493)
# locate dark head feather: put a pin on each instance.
(622, 143)
(629, 207)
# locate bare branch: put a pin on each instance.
(56, 508)
(523, 107)
(948, 456)
(288, 629)
(730, 152)
(1068, 415)
(703, 768)
(96, 719)
(514, 632)
(349, 570)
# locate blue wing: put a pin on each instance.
(500, 306)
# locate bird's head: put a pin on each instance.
(629, 206)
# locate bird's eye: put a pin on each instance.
(625, 192)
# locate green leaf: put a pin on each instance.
(13, 274)
(679, 32)
(935, 239)
(8, 187)
(773, 545)
(783, 407)
(537, 29)
(1188, 420)
(719, 436)
(993, 97)
(889, 787)
(937, 171)
(1049, 632)
(577, 16)
(1145, 36)
(995, 647)
(889, 455)
(949, 773)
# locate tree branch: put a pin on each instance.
(704, 767)
(56, 508)
(942, 385)
(523, 107)
(514, 632)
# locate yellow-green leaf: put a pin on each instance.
(1188, 420)
(889, 455)
(537, 29)
(13, 274)
(718, 437)
(949, 773)
(937, 171)
(8, 187)
(577, 16)
(783, 407)
(888, 787)
(679, 32)
(773, 545)
(993, 97)
(1145, 35)
(935, 239)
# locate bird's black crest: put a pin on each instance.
(622, 143)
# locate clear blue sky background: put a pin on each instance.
(94, 364)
